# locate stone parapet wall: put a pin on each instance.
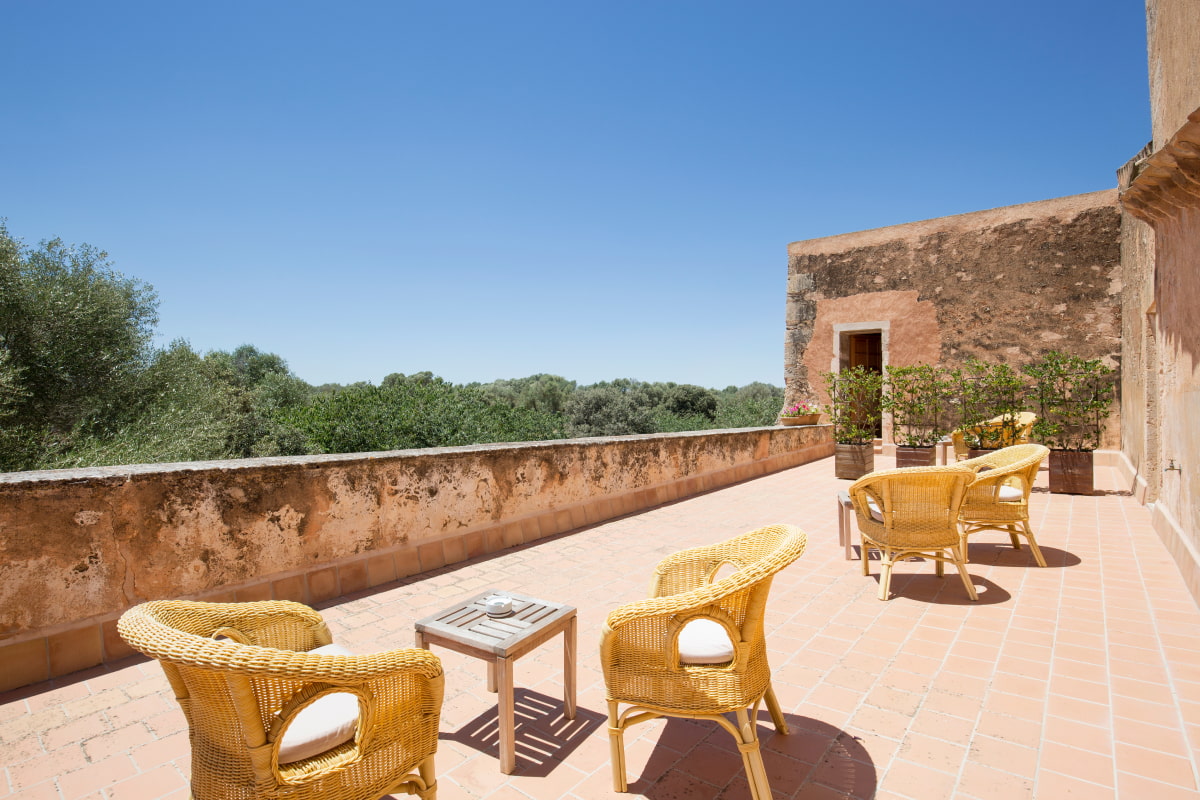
(78, 547)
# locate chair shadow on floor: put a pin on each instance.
(815, 759)
(1002, 554)
(928, 587)
(544, 737)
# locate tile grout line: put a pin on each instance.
(1162, 655)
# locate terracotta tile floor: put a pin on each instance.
(1078, 680)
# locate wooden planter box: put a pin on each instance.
(1072, 472)
(806, 419)
(916, 456)
(852, 461)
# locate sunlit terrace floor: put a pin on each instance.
(1077, 680)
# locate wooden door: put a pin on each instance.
(866, 350)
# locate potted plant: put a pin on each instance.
(801, 414)
(918, 399)
(1074, 396)
(854, 410)
(991, 400)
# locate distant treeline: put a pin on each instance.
(81, 385)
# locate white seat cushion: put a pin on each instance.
(703, 641)
(876, 514)
(1010, 494)
(324, 724)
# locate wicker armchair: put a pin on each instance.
(695, 648)
(243, 677)
(912, 512)
(1024, 427)
(998, 500)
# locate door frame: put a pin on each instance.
(841, 353)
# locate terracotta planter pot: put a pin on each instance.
(852, 461)
(916, 456)
(806, 419)
(1072, 472)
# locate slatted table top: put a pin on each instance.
(467, 623)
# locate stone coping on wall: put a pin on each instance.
(80, 546)
(1168, 181)
(1063, 207)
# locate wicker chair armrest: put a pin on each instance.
(421, 684)
(987, 489)
(253, 660)
(645, 636)
(341, 671)
(353, 670)
(401, 711)
(999, 477)
(1007, 458)
(667, 605)
(159, 629)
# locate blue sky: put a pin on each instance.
(492, 190)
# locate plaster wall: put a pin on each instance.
(1173, 47)
(1002, 285)
(910, 327)
(1177, 288)
(1139, 357)
(78, 547)
(1160, 190)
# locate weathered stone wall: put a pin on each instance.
(1178, 254)
(1139, 360)
(1173, 48)
(78, 547)
(1160, 190)
(1004, 285)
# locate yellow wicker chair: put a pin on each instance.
(242, 676)
(644, 645)
(1007, 437)
(998, 500)
(912, 511)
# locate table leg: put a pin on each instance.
(507, 715)
(569, 639)
(491, 680)
(420, 637)
(845, 525)
(849, 532)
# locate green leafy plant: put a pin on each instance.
(1074, 396)
(991, 398)
(918, 398)
(854, 404)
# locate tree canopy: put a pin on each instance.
(82, 385)
(73, 334)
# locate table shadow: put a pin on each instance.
(544, 737)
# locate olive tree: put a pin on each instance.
(72, 332)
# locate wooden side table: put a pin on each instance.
(466, 628)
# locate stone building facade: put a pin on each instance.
(1004, 285)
